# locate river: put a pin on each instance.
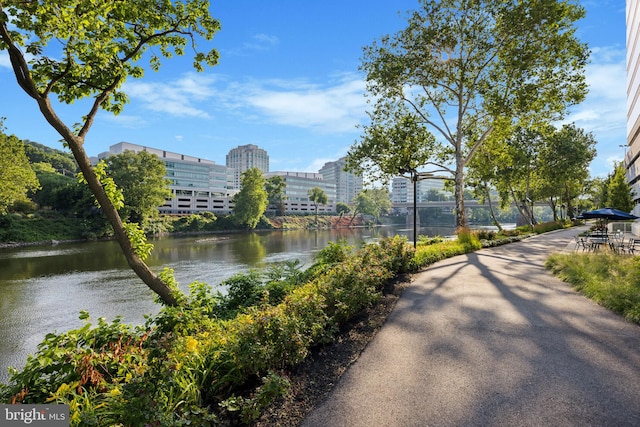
(44, 288)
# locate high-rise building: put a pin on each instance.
(246, 157)
(197, 184)
(632, 157)
(347, 184)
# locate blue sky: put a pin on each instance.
(288, 81)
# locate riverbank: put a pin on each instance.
(51, 229)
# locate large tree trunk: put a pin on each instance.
(135, 262)
(491, 210)
(461, 216)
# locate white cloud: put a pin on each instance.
(176, 98)
(332, 109)
(604, 110)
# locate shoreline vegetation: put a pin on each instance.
(34, 230)
(261, 354)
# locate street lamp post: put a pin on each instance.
(415, 177)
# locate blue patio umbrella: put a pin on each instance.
(610, 214)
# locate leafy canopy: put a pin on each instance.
(462, 69)
(141, 176)
(252, 199)
(85, 47)
(16, 175)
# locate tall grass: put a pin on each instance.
(611, 280)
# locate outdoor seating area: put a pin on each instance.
(603, 237)
(617, 242)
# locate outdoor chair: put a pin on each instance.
(581, 243)
(616, 243)
(633, 245)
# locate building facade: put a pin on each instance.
(246, 157)
(632, 157)
(347, 184)
(402, 190)
(297, 189)
(197, 184)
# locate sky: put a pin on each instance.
(288, 81)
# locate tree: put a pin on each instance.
(342, 208)
(141, 176)
(619, 193)
(251, 201)
(16, 175)
(563, 166)
(275, 190)
(82, 49)
(381, 202)
(318, 197)
(466, 69)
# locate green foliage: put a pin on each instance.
(138, 240)
(608, 278)
(16, 175)
(188, 365)
(342, 208)
(468, 239)
(141, 177)
(464, 70)
(620, 195)
(251, 201)
(62, 162)
(275, 187)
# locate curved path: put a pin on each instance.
(493, 339)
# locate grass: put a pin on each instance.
(611, 280)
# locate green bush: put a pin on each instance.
(214, 358)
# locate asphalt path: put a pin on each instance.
(491, 338)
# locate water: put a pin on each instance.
(44, 288)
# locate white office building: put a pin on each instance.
(297, 189)
(402, 190)
(197, 184)
(347, 184)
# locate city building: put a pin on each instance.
(426, 189)
(246, 157)
(197, 184)
(297, 189)
(632, 152)
(347, 184)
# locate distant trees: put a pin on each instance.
(141, 177)
(318, 197)
(375, 202)
(252, 199)
(16, 176)
(275, 187)
(61, 162)
(466, 71)
(620, 195)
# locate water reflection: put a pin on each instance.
(44, 288)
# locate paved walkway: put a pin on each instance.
(492, 339)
